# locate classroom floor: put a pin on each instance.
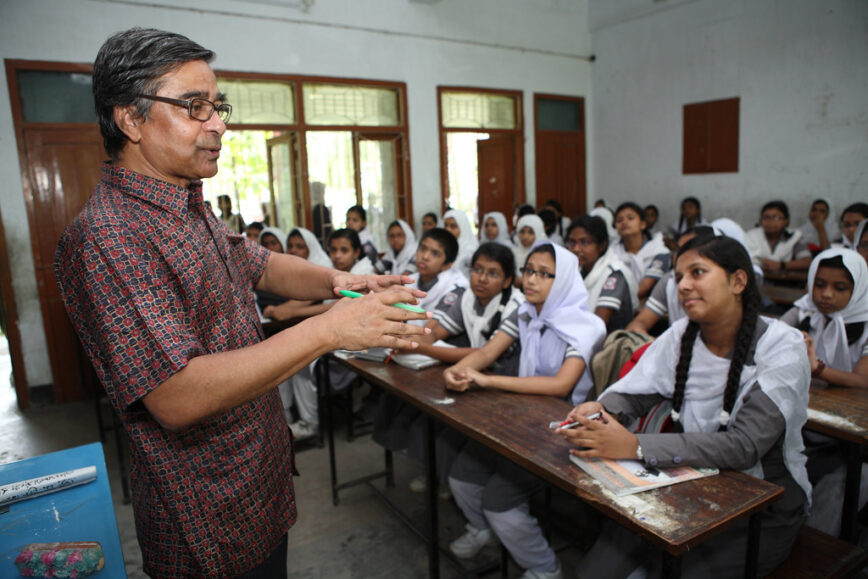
(358, 538)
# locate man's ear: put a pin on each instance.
(129, 122)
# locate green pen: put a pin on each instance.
(409, 308)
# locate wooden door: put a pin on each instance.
(64, 166)
(496, 163)
(560, 170)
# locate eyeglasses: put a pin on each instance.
(490, 274)
(584, 242)
(530, 272)
(773, 217)
(198, 109)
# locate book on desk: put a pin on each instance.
(626, 477)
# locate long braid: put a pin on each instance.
(688, 338)
(495, 319)
(743, 342)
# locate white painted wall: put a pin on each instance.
(529, 45)
(799, 66)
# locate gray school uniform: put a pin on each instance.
(615, 295)
(657, 301)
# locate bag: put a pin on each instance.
(617, 350)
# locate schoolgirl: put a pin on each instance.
(772, 245)
(400, 258)
(550, 224)
(357, 220)
(528, 230)
(271, 239)
(606, 215)
(558, 335)
(457, 223)
(494, 229)
(646, 255)
(610, 283)
(691, 216)
(852, 216)
(563, 220)
(861, 239)
(431, 220)
(820, 228)
(345, 251)
(301, 243)
(738, 386)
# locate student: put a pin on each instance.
(773, 246)
(663, 301)
(558, 335)
(652, 215)
(494, 229)
(528, 230)
(301, 243)
(691, 216)
(610, 284)
(850, 220)
(254, 229)
(550, 225)
(400, 258)
(861, 238)
(646, 255)
(357, 220)
(478, 311)
(820, 229)
(729, 228)
(345, 251)
(608, 217)
(834, 315)
(430, 220)
(738, 386)
(456, 223)
(563, 220)
(271, 238)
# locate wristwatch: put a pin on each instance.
(639, 454)
(815, 373)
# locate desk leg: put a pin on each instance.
(431, 498)
(390, 470)
(330, 424)
(671, 566)
(751, 563)
(851, 492)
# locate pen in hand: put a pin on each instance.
(408, 307)
(566, 424)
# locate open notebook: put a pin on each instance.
(625, 477)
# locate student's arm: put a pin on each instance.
(604, 314)
(858, 378)
(457, 377)
(438, 332)
(645, 286)
(644, 321)
(295, 309)
(214, 383)
(560, 385)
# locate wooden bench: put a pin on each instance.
(817, 554)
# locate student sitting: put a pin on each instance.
(558, 335)
(550, 226)
(861, 239)
(345, 251)
(271, 239)
(456, 223)
(691, 216)
(430, 220)
(773, 246)
(357, 220)
(608, 217)
(254, 229)
(646, 255)
(652, 216)
(821, 228)
(400, 258)
(850, 220)
(528, 231)
(738, 386)
(494, 229)
(563, 220)
(301, 243)
(610, 284)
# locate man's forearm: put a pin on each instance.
(296, 278)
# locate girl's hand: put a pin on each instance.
(771, 265)
(457, 379)
(478, 378)
(584, 409)
(601, 438)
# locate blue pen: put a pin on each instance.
(408, 307)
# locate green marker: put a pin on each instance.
(409, 308)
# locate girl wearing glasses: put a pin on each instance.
(773, 245)
(558, 335)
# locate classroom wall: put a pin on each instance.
(800, 68)
(529, 45)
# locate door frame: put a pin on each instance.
(537, 144)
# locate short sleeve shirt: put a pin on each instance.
(661, 263)
(615, 295)
(151, 279)
(657, 301)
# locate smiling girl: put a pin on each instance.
(738, 386)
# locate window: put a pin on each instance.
(711, 137)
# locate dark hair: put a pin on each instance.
(360, 210)
(654, 207)
(346, 233)
(270, 234)
(823, 201)
(731, 256)
(596, 228)
(525, 210)
(556, 205)
(132, 63)
(696, 202)
(779, 205)
(446, 240)
(549, 219)
(702, 232)
(395, 223)
(255, 225)
(639, 211)
(860, 208)
(504, 256)
(542, 248)
(854, 329)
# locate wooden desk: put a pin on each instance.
(674, 518)
(787, 276)
(782, 295)
(842, 413)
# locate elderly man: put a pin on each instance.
(160, 293)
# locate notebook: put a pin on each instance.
(626, 477)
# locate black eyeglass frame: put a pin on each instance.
(530, 272)
(221, 109)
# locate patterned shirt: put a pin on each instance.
(151, 279)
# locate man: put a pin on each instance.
(160, 293)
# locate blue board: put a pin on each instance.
(82, 513)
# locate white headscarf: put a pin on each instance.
(475, 325)
(606, 215)
(315, 253)
(809, 232)
(365, 236)
(467, 243)
(639, 262)
(567, 320)
(605, 265)
(857, 237)
(363, 266)
(278, 233)
(828, 331)
(407, 253)
(502, 229)
(539, 231)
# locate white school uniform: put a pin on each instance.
(809, 232)
(502, 229)
(652, 260)
(521, 252)
(404, 260)
(467, 243)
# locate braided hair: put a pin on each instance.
(731, 256)
(504, 256)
